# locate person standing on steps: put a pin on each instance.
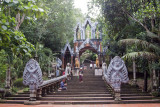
(81, 75)
(71, 75)
(57, 72)
(91, 65)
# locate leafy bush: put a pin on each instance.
(155, 93)
(3, 67)
(18, 83)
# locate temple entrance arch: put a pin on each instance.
(88, 57)
(88, 41)
(84, 41)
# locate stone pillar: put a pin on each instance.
(145, 81)
(39, 93)
(63, 61)
(117, 96)
(8, 79)
(154, 80)
(134, 73)
(55, 86)
(33, 92)
(49, 72)
(51, 88)
(45, 91)
(104, 58)
(48, 90)
(72, 65)
(99, 58)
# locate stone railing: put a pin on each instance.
(2, 92)
(32, 76)
(115, 75)
(49, 86)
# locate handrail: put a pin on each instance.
(51, 81)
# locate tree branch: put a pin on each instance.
(19, 20)
(133, 18)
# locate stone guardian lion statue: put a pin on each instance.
(77, 63)
(97, 62)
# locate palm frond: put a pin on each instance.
(142, 54)
(140, 42)
(152, 35)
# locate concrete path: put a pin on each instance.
(96, 105)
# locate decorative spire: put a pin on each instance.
(88, 34)
(97, 33)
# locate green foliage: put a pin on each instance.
(54, 30)
(135, 24)
(28, 7)
(148, 10)
(18, 82)
(155, 93)
(3, 67)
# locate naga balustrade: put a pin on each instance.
(32, 76)
(115, 75)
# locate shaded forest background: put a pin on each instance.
(29, 28)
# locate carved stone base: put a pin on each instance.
(33, 95)
(31, 102)
(117, 96)
(134, 82)
(76, 72)
(7, 92)
(98, 72)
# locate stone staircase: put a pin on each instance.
(92, 90)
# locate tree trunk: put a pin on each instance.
(159, 80)
(159, 30)
(151, 78)
(19, 20)
(145, 81)
(8, 78)
(152, 23)
(134, 72)
(154, 80)
(49, 72)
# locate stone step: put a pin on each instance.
(139, 94)
(77, 93)
(81, 95)
(20, 95)
(136, 97)
(87, 82)
(85, 87)
(97, 102)
(85, 102)
(82, 90)
(63, 98)
(12, 101)
(93, 90)
(17, 98)
(75, 98)
(90, 79)
(128, 92)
